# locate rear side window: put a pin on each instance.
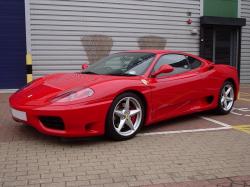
(179, 62)
(193, 63)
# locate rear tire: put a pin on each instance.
(125, 117)
(226, 98)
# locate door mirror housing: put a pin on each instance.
(163, 69)
(85, 66)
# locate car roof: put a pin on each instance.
(156, 51)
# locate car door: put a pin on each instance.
(175, 92)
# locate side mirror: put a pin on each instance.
(85, 66)
(163, 69)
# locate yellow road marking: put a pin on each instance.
(243, 128)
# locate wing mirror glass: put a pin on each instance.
(85, 66)
(163, 69)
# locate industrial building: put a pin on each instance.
(40, 37)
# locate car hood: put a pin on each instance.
(43, 90)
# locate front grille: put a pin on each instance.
(52, 122)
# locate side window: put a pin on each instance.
(193, 63)
(178, 62)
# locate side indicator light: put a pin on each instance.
(145, 82)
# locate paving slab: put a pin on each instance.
(215, 158)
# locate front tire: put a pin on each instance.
(125, 117)
(226, 98)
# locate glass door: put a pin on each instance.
(220, 44)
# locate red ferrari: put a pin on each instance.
(119, 94)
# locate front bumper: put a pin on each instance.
(79, 120)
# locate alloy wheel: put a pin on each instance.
(227, 97)
(127, 116)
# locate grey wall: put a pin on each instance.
(245, 43)
(60, 29)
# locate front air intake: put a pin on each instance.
(50, 122)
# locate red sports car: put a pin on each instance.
(124, 91)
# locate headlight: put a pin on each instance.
(74, 95)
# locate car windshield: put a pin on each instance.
(122, 64)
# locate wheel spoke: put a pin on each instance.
(228, 90)
(130, 123)
(127, 104)
(225, 103)
(134, 112)
(229, 99)
(121, 124)
(119, 113)
(222, 99)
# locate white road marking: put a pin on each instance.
(215, 121)
(183, 131)
(224, 127)
(235, 113)
(242, 109)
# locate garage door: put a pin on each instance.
(12, 45)
(66, 34)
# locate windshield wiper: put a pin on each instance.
(89, 72)
(124, 74)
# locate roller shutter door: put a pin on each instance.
(66, 34)
(245, 43)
